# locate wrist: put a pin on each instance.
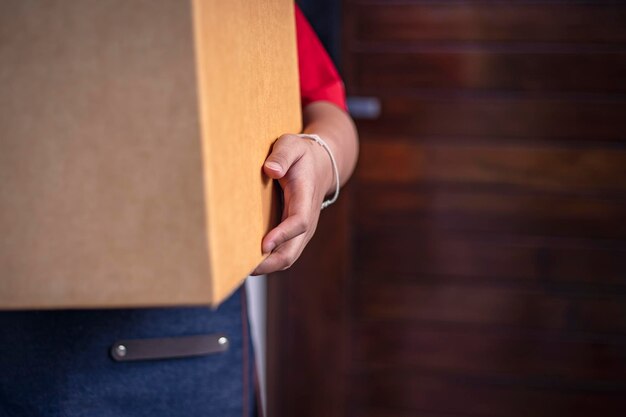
(327, 174)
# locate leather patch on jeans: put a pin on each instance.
(168, 347)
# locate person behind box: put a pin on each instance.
(66, 363)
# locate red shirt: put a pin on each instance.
(319, 79)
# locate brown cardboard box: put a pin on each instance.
(132, 138)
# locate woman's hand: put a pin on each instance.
(305, 174)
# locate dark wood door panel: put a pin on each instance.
(411, 209)
(487, 241)
(472, 304)
(307, 319)
(536, 168)
(433, 257)
(484, 395)
(502, 352)
(485, 68)
(438, 257)
(481, 21)
(497, 116)
(370, 411)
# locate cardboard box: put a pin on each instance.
(132, 138)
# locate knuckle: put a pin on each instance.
(301, 225)
(286, 137)
(283, 236)
(289, 143)
(287, 264)
(284, 262)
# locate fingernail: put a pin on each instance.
(274, 166)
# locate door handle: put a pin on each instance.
(364, 107)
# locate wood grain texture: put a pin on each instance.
(450, 114)
(373, 411)
(523, 353)
(310, 339)
(487, 22)
(489, 264)
(456, 303)
(436, 256)
(481, 395)
(484, 68)
(482, 303)
(408, 210)
(530, 167)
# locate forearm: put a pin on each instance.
(336, 128)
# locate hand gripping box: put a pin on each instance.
(132, 138)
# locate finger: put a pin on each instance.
(285, 152)
(283, 257)
(288, 229)
(298, 215)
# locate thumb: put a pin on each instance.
(285, 153)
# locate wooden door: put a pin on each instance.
(486, 237)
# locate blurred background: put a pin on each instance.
(476, 263)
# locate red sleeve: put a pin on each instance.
(319, 79)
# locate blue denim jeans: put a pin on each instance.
(57, 363)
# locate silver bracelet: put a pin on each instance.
(323, 144)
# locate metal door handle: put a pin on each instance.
(364, 107)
